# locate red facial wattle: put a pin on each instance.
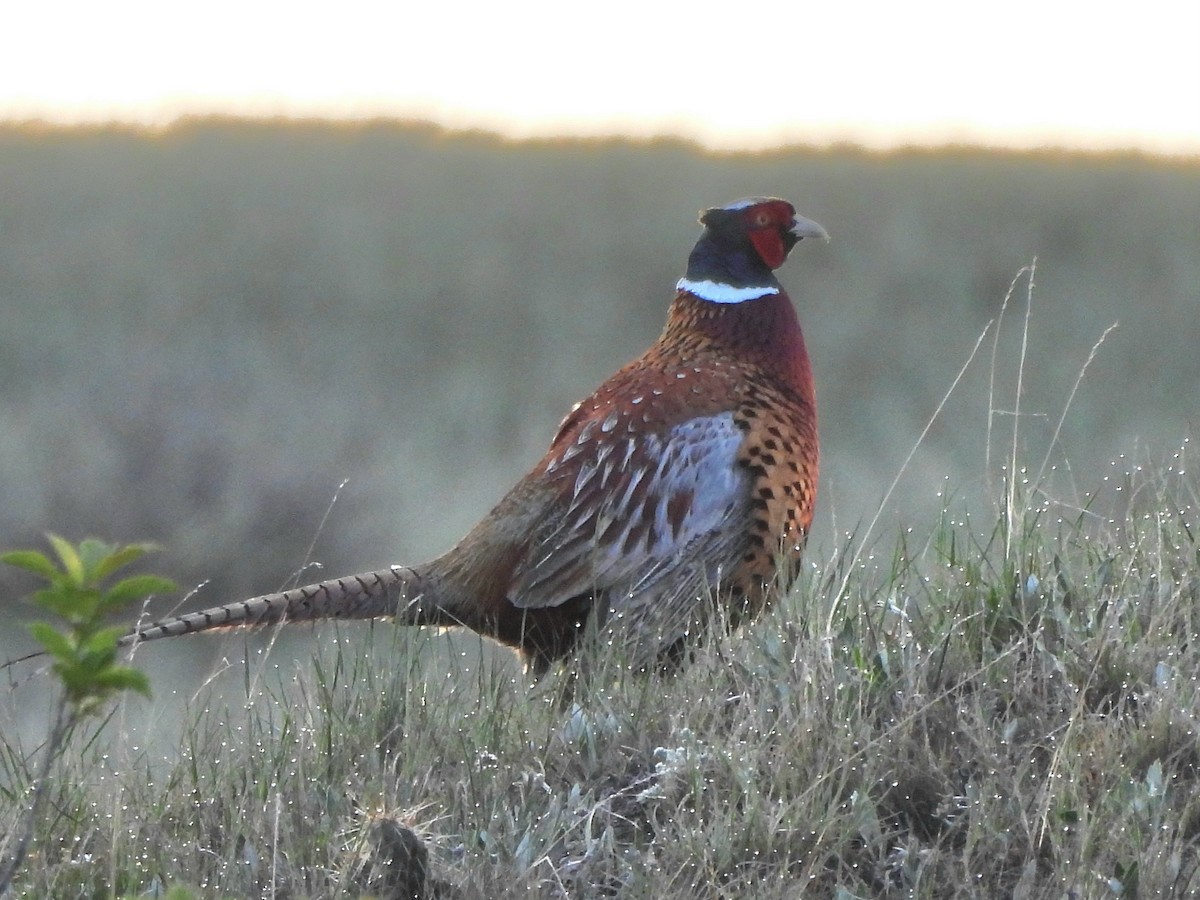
(769, 244)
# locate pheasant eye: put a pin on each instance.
(762, 219)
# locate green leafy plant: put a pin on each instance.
(83, 654)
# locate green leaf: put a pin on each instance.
(74, 604)
(74, 678)
(120, 558)
(123, 678)
(56, 643)
(72, 564)
(31, 561)
(136, 588)
(91, 554)
(85, 654)
(103, 641)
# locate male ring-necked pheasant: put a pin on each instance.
(685, 481)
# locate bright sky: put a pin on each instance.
(1078, 73)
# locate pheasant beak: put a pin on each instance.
(807, 228)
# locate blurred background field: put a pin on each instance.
(206, 330)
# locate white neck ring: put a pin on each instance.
(717, 292)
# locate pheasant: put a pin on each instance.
(684, 484)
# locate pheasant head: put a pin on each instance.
(742, 244)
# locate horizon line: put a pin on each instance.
(574, 135)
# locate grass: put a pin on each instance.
(970, 723)
(1002, 703)
(82, 653)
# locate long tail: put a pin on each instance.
(370, 595)
(398, 592)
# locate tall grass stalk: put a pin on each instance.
(1004, 704)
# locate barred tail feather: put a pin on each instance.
(367, 596)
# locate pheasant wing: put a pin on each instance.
(652, 523)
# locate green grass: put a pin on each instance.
(1000, 701)
(948, 720)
